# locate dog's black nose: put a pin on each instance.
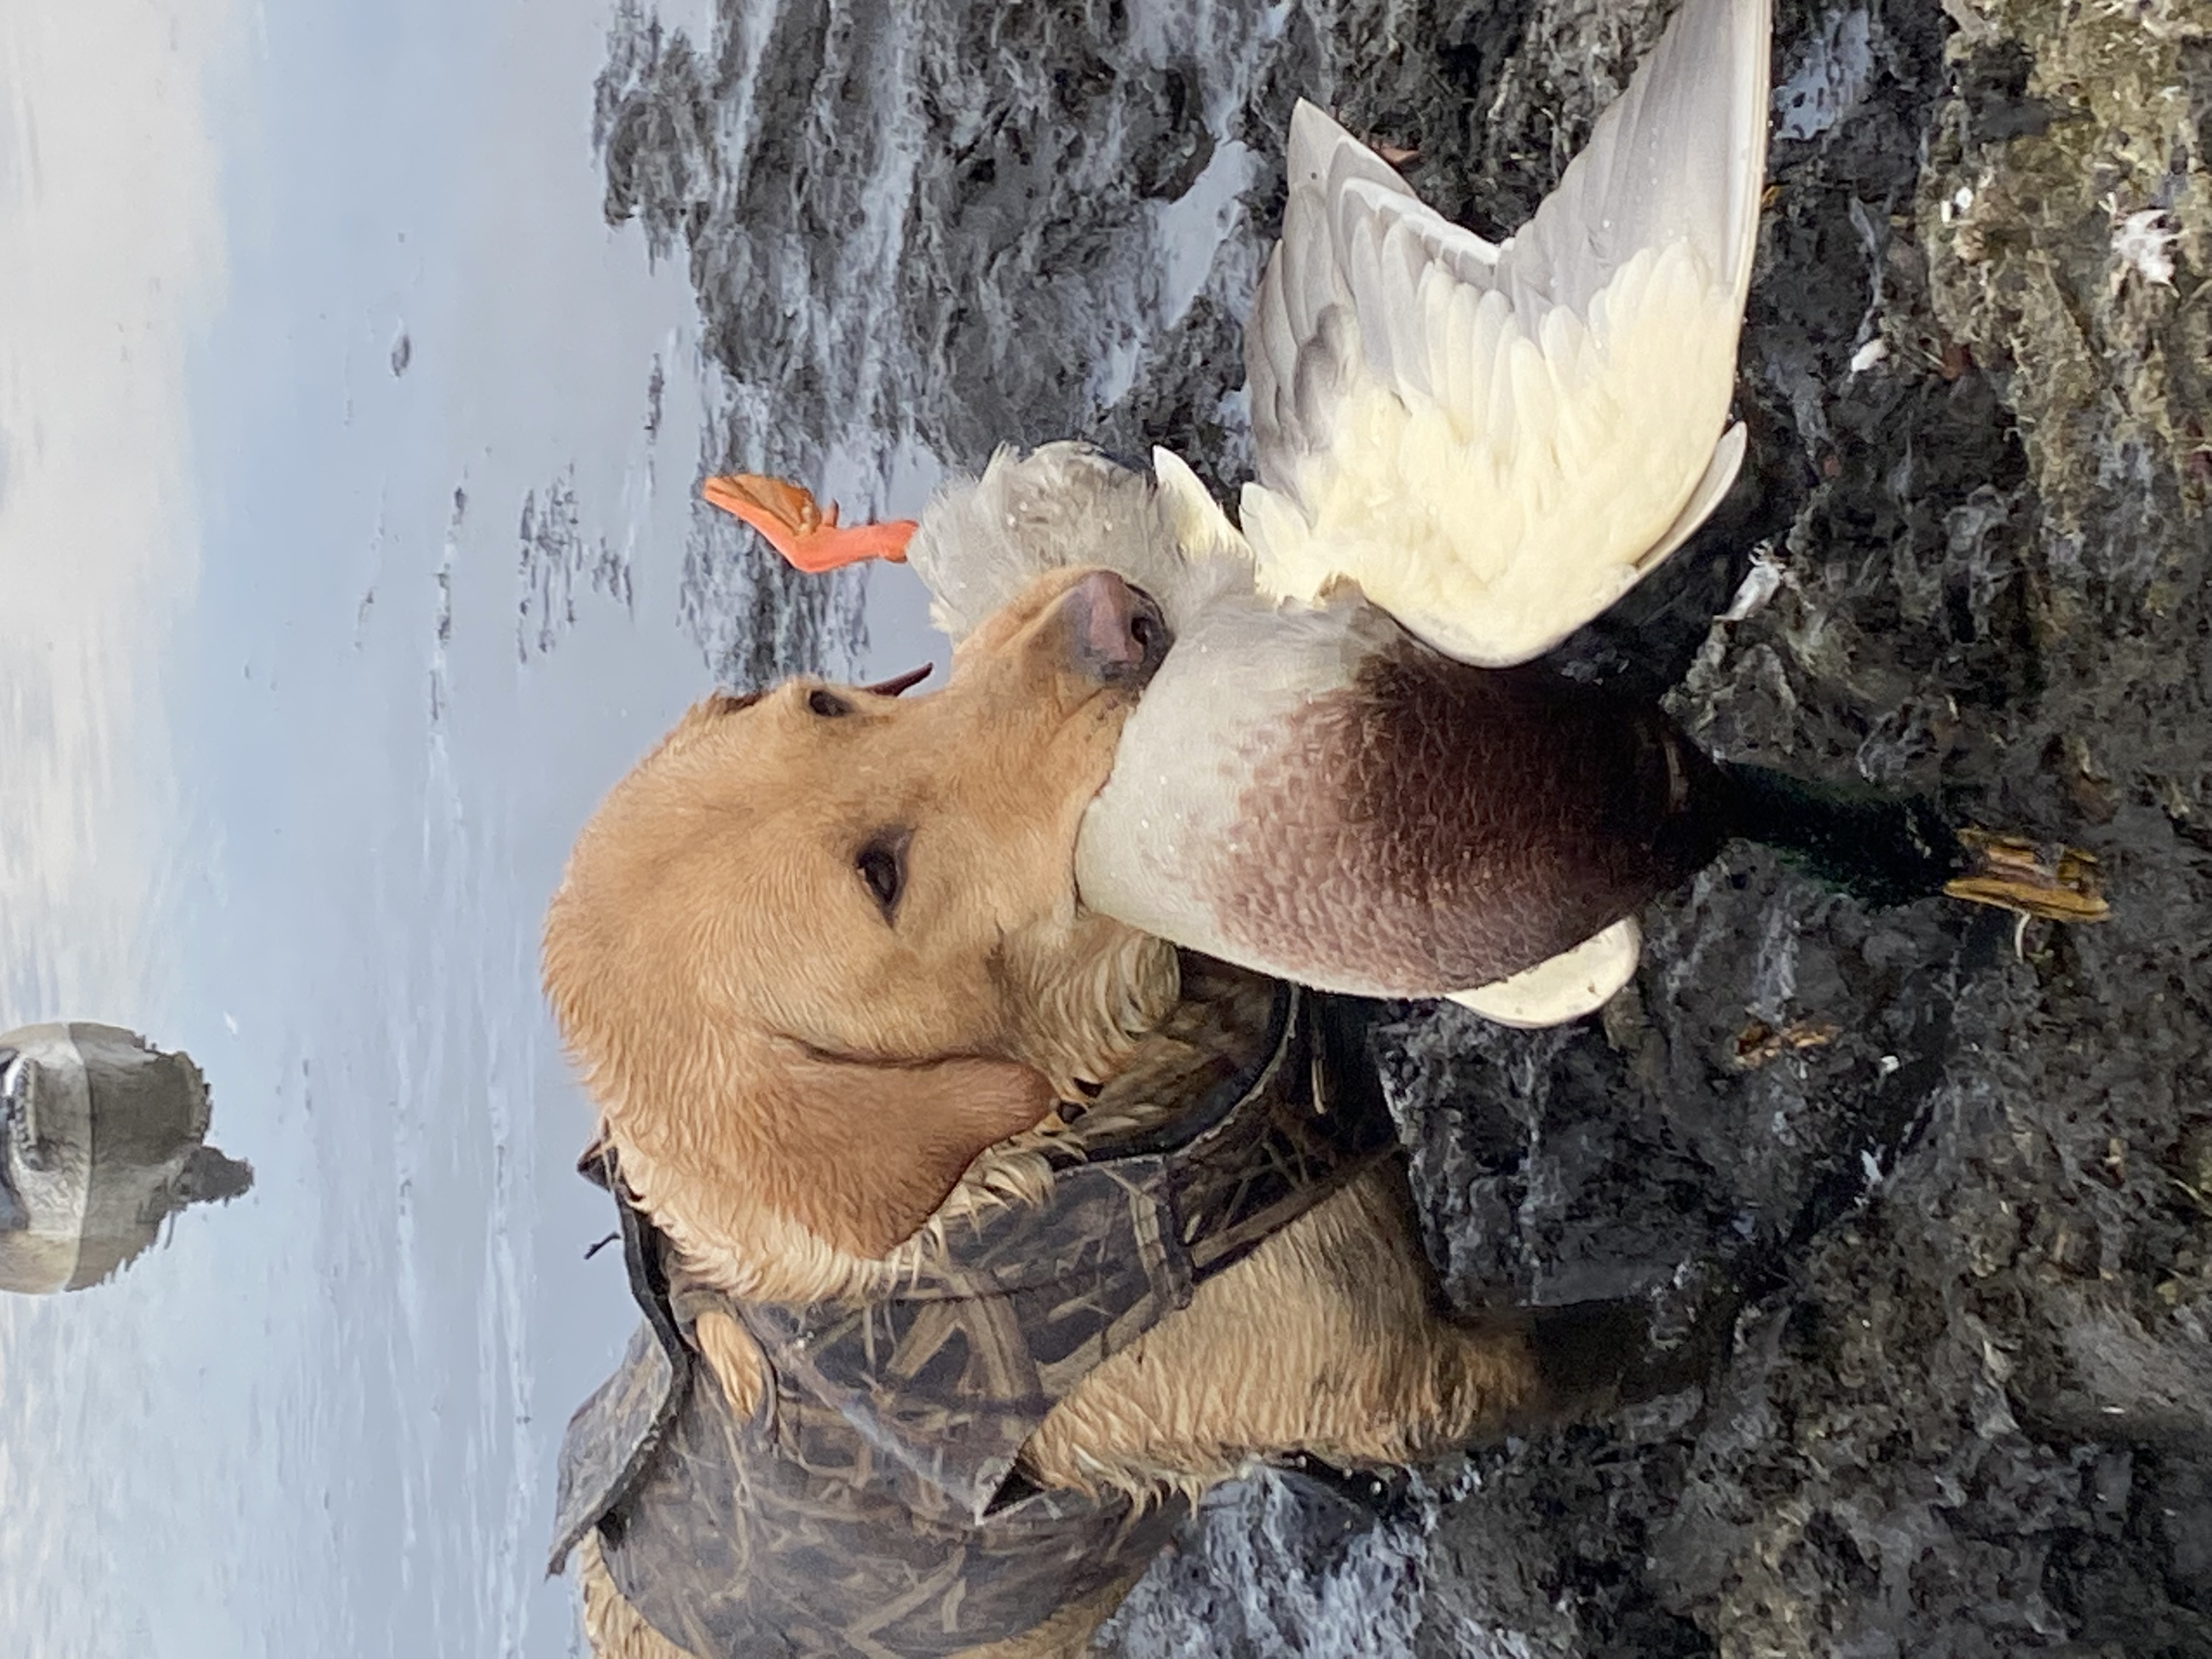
(1118, 633)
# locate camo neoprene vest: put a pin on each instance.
(872, 1506)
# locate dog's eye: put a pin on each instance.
(882, 865)
(827, 704)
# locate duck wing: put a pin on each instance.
(1496, 441)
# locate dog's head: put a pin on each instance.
(822, 946)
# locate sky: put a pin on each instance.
(302, 309)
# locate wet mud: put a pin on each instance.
(1966, 1169)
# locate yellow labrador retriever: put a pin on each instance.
(821, 964)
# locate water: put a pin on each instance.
(362, 570)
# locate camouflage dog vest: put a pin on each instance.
(872, 1506)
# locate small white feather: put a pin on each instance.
(1201, 527)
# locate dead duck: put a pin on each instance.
(1352, 769)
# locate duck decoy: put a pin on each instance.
(102, 1139)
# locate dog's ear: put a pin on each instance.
(869, 1152)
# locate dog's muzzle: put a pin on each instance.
(1115, 631)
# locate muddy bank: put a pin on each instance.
(1973, 1413)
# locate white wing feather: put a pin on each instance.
(1571, 984)
(1495, 442)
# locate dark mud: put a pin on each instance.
(1971, 1413)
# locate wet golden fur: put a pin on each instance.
(801, 1087)
(741, 1008)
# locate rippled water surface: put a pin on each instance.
(346, 553)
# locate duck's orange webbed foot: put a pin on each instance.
(2013, 874)
(801, 530)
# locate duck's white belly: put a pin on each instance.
(1155, 842)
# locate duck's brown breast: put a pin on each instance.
(1434, 827)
